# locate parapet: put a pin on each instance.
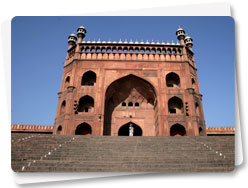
(47, 129)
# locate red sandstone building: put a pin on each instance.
(106, 86)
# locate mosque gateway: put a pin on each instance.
(129, 88)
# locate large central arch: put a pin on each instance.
(133, 98)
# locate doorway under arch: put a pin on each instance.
(124, 130)
(177, 130)
(83, 129)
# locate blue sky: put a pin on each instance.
(39, 46)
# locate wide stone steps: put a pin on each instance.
(44, 153)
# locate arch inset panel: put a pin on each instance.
(127, 89)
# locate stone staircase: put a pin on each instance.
(67, 153)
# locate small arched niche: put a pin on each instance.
(172, 80)
(177, 130)
(88, 79)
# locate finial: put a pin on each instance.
(120, 41)
(147, 42)
(130, 42)
(136, 42)
(142, 42)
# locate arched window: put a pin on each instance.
(98, 50)
(86, 104)
(169, 51)
(87, 50)
(200, 131)
(62, 108)
(153, 50)
(163, 50)
(83, 129)
(108, 50)
(59, 129)
(93, 49)
(125, 50)
(197, 109)
(114, 50)
(136, 50)
(174, 51)
(103, 49)
(172, 80)
(177, 130)
(123, 104)
(67, 81)
(136, 105)
(131, 50)
(142, 50)
(148, 50)
(193, 82)
(130, 104)
(175, 105)
(120, 50)
(88, 78)
(158, 51)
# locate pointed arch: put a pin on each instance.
(120, 91)
(177, 130)
(86, 104)
(59, 129)
(62, 108)
(172, 80)
(83, 129)
(124, 129)
(175, 105)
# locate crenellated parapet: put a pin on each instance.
(220, 130)
(32, 128)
